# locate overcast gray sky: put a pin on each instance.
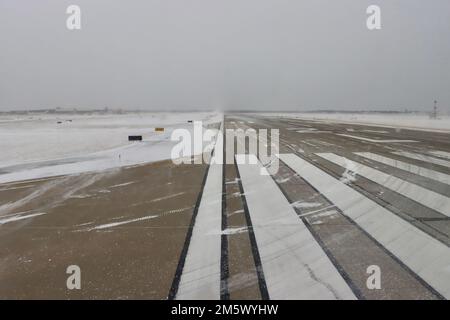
(232, 54)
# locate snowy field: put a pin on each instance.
(405, 121)
(41, 145)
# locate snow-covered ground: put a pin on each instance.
(41, 145)
(397, 120)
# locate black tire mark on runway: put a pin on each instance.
(224, 265)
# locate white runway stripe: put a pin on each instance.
(374, 140)
(422, 157)
(442, 154)
(426, 197)
(200, 279)
(426, 256)
(294, 264)
(421, 171)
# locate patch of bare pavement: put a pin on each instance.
(124, 228)
(354, 212)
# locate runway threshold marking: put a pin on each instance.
(422, 157)
(425, 256)
(201, 272)
(375, 140)
(294, 264)
(421, 171)
(428, 198)
(254, 246)
(442, 154)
